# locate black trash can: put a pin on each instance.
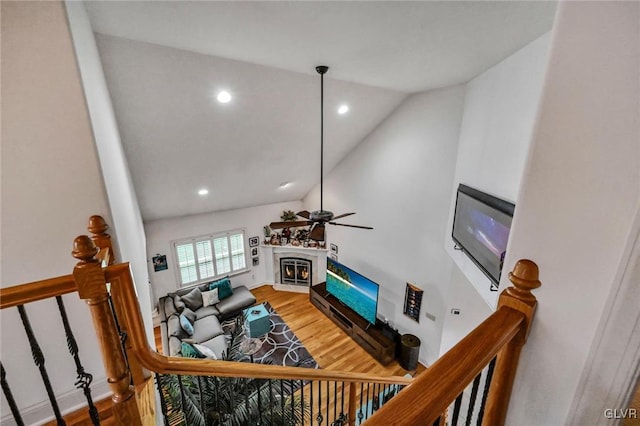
(409, 352)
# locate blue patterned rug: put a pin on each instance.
(280, 346)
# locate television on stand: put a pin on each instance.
(481, 225)
(353, 290)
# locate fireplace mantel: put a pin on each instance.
(271, 255)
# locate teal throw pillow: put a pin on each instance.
(186, 324)
(223, 286)
(189, 351)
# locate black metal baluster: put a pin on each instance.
(327, 403)
(456, 410)
(282, 400)
(163, 402)
(270, 401)
(335, 401)
(319, 418)
(202, 400)
(437, 422)
(246, 397)
(9, 396)
(366, 411)
(360, 414)
(472, 400)
(38, 359)
(311, 400)
(258, 390)
(217, 389)
(343, 418)
(83, 379)
(292, 399)
(183, 400)
(485, 393)
(122, 334)
(302, 401)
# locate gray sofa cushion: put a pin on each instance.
(241, 298)
(175, 345)
(191, 316)
(179, 304)
(218, 345)
(206, 311)
(206, 329)
(169, 307)
(193, 300)
(174, 328)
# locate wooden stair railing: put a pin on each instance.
(501, 336)
(92, 281)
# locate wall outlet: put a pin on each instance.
(455, 311)
(430, 316)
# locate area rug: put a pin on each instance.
(280, 346)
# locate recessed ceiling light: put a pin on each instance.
(343, 109)
(203, 192)
(285, 184)
(224, 97)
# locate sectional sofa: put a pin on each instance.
(190, 317)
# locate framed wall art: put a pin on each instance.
(412, 302)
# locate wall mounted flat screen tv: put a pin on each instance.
(481, 226)
(354, 290)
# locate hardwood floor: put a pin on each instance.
(331, 347)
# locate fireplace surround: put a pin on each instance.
(315, 259)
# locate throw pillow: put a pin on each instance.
(224, 286)
(210, 297)
(191, 316)
(207, 352)
(186, 325)
(178, 303)
(193, 299)
(189, 351)
(169, 307)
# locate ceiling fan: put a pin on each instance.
(317, 219)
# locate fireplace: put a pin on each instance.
(314, 259)
(295, 271)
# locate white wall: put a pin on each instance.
(399, 181)
(127, 221)
(578, 198)
(161, 232)
(499, 112)
(51, 185)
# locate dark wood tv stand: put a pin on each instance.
(373, 338)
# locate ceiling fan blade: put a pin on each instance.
(317, 232)
(343, 215)
(289, 224)
(351, 226)
(304, 213)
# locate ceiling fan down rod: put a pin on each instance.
(321, 69)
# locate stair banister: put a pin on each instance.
(502, 335)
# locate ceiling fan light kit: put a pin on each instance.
(317, 219)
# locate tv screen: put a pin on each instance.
(481, 226)
(354, 290)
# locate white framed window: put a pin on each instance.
(208, 257)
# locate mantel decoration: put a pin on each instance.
(288, 215)
(412, 302)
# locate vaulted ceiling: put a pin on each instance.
(166, 61)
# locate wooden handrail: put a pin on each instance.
(119, 277)
(38, 290)
(502, 335)
(98, 228)
(123, 292)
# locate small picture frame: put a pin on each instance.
(159, 262)
(254, 241)
(255, 261)
(254, 252)
(412, 302)
(333, 248)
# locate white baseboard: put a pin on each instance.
(67, 402)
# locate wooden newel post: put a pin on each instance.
(524, 278)
(98, 228)
(92, 288)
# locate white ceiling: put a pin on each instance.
(168, 59)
